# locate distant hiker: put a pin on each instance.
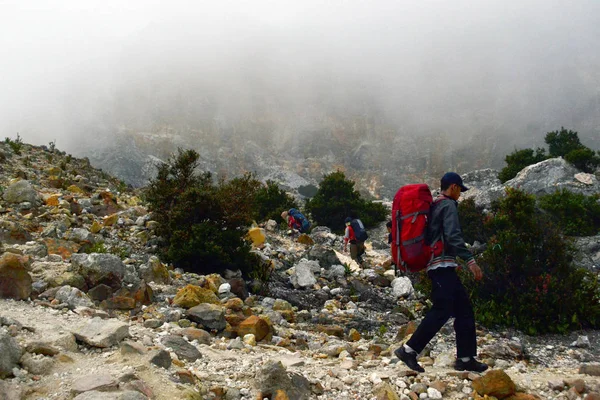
(450, 299)
(388, 226)
(296, 220)
(355, 234)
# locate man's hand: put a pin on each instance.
(345, 249)
(476, 271)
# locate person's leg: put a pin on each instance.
(464, 323)
(442, 293)
(354, 251)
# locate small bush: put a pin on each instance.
(271, 200)
(529, 282)
(16, 145)
(560, 143)
(519, 159)
(472, 221)
(583, 159)
(575, 214)
(202, 223)
(336, 199)
(97, 247)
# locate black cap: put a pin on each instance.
(348, 219)
(452, 177)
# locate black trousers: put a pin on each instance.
(450, 299)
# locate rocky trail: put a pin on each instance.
(87, 311)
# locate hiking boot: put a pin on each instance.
(471, 365)
(410, 359)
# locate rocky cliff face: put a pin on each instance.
(87, 311)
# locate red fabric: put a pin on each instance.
(415, 256)
(351, 235)
(293, 224)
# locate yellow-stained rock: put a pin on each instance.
(15, 281)
(256, 326)
(495, 383)
(62, 247)
(280, 395)
(110, 220)
(384, 391)
(52, 200)
(213, 281)
(331, 330)
(192, 295)
(95, 228)
(53, 171)
(75, 189)
(305, 239)
(235, 304)
(354, 335)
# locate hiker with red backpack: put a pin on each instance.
(356, 235)
(426, 234)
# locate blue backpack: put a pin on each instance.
(359, 230)
(298, 216)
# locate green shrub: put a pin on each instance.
(575, 214)
(336, 199)
(202, 223)
(271, 200)
(519, 159)
(583, 159)
(472, 221)
(560, 143)
(16, 145)
(529, 282)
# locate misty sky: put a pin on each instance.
(513, 67)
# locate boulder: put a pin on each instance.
(20, 192)
(99, 268)
(303, 276)
(95, 382)
(37, 364)
(13, 233)
(254, 325)
(10, 354)
(155, 271)
(10, 391)
(15, 281)
(272, 379)
(80, 235)
(324, 255)
(484, 186)
(160, 358)
(551, 175)
(210, 316)
(495, 383)
(587, 252)
(191, 295)
(384, 391)
(199, 335)
(181, 347)
(238, 287)
(101, 333)
(402, 287)
(73, 297)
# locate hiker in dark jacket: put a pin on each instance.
(450, 299)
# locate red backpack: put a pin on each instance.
(410, 217)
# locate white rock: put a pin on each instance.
(224, 288)
(433, 393)
(402, 287)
